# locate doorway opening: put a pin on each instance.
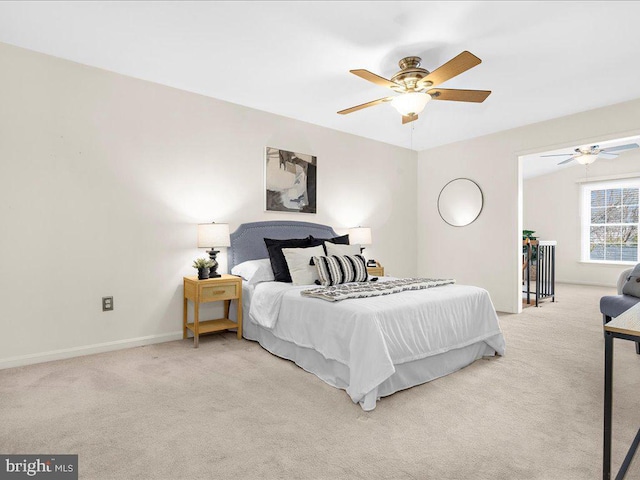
(581, 198)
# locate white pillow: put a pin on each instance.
(339, 250)
(298, 261)
(255, 271)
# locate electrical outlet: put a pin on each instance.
(107, 304)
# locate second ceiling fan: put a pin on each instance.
(415, 85)
(588, 155)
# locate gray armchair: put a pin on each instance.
(613, 305)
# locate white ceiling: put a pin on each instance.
(541, 59)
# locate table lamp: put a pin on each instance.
(211, 235)
(360, 235)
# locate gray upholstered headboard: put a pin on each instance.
(247, 242)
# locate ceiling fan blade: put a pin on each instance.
(607, 156)
(377, 79)
(567, 160)
(409, 118)
(557, 155)
(476, 96)
(364, 105)
(452, 68)
(620, 148)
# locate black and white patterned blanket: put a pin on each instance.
(345, 291)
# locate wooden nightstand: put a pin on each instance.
(377, 271)
(227, 288)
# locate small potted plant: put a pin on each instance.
(202, 265)
(528, 237)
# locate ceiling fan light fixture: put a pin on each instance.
(411, 82)
(586, 158)
(411, 103)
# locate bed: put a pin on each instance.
(370, 347)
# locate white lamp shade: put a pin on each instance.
(213, 235)
(360, 236)
(410, 103)
(586, 159)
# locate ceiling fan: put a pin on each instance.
(414, 83)
(588, 155)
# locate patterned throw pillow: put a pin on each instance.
(338, 269)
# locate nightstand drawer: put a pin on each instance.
(376, 271)
(218, 292)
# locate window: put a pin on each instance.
(610, 221)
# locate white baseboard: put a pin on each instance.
(30, 359)
(589, 284)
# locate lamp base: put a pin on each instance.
(213, 270)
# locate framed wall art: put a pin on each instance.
(290, 181)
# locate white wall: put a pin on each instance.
(552, 209)
(487, 253)
(103, 178)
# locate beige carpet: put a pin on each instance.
(230, 410)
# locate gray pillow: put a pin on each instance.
(632, 285)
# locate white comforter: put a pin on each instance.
(370, 335)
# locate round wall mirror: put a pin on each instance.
(460, 202)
